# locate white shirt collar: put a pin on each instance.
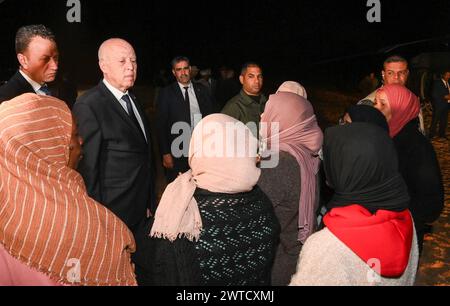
(183, 86)
(116, 92)
(36, 86)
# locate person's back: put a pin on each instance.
(237, 246)
(335, 264)
(282, 185)
(213, 226)
(292, 184)
(369, 237)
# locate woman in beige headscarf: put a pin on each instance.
(218, 206)
(51, 232)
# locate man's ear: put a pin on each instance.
(241, 79)
(103, 66)
(23, 61)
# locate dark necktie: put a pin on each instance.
(186, 95)
(133, 118)
(44, 89)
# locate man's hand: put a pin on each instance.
(168, 161)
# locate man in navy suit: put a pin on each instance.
(440, 95)
(179, 107)
(38, 56)
(117, 164)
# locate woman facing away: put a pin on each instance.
(213, 225)
(369, 238)
(418, 163)
(291, 184)
(51, 232)
(364, 113)
(293, 87)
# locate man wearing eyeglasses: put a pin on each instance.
(179, 107)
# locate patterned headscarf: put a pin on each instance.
(47, 220)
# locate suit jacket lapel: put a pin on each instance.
(119, 109)
(24, 85)
(143, 115)
(184, 108)
(198, 94)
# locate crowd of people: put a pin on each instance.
(78, 204)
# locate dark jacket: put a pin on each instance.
(172, 108)
(245, 109)
(117, 164)
(437, 94)
(419, 167)
(282, 186)
(16, 86)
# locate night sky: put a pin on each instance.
(286, 37)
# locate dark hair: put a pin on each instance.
(444, 71)
(26, 33)
(247, 65)
(395, 59)
(178, 59)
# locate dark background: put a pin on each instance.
(311, 41)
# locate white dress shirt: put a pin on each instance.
(446, 86)
(36, 86)
(196, 114)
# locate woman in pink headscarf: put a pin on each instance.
(292, 184)
(417, 159)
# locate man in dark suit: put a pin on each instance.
(37, 54)
(440, 96)
(180, 106)
(117, 162)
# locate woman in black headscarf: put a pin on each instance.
(364, 113)
(369, 237)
